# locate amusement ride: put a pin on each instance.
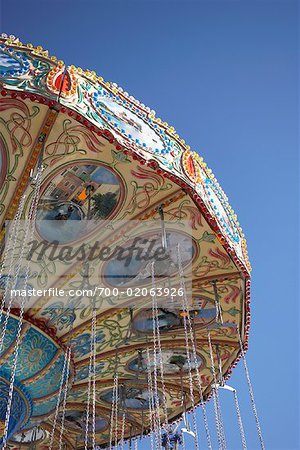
(85, 163)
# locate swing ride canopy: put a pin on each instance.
(105, 154)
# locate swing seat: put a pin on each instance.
(186, 431)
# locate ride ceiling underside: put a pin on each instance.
(88, 129)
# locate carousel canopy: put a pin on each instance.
(107, 158)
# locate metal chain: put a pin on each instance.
(222, 432)
(91, 385)
(193, 345)
(220, 383)
(87, 417)
(123, 431)
(65, 398)
(156, 394)
(28, 234)
(161, 365)
(156, 355)
(111, 418)
(9, 252)
(58, 400)
(115, 388)
(152, 418)
(219, 315)
(94, 332)
(117, 398)
(218, 418)
(191, 387)
(239, 416)
(255, 413)
(13, 374)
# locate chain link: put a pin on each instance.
(239, 416)
(157, 356)
(193, 345)
(29, 230)
(255, 413)
(191, 387)
(152, 417)
(123, 431)
(91, 386)
(58, 400)
(28, 234)
(114, 411)
(94, 333)
(117, 398)
(217, 409)
(65, 398)
(9, 254)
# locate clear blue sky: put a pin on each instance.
(224, 73)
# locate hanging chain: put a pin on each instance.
(239, 416)
(156, 393)
(217, 409)
(193, 345)
(220, 383)
(28, 236)
(219, 316)
(13, 373)
(117, 398)
(91, 386)
(222, 432)
(160, 358)
(123, 431)
(255, 413)
(152, 417)
(190, 376)
(87, 417)
(94, 332)
(65, 398)
(9, 253)
(157, 356)
(114, 408)
(114, 395)
(58, 400)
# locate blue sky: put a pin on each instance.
(224, 74)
